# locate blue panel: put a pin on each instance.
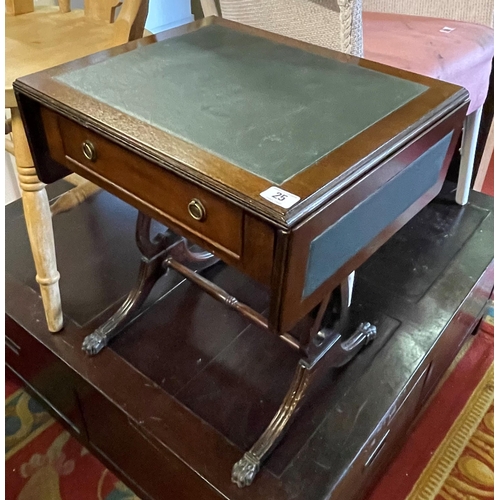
(345, 238)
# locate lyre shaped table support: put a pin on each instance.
(321, 347)
(154, 253)
(324, 350)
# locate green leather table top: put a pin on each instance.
(270, 109)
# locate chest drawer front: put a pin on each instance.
(179, 203)
(41, 370)
(154, 470)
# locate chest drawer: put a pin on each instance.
(180, 204)
(42, 371)
(152, 468)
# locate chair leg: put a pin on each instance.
(83, 190)
(39, 226)
(469, 141)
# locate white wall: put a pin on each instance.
(12, 191)
(166, 14)
(163, 14)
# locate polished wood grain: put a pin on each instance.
(161, 174)
(293, 305)
(338, 168)
(173, 415)
(235, 235)
(159, 179)
(166, 196)
(166, 193)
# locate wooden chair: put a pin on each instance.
(36, 39)
(450, 40)
(397, 34)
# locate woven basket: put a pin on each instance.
(335, 24)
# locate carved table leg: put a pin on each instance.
(326, 340)
(150, 271)
(329, 352)
(39, 226)
(245, 470)
(154, 252)
(341, 352)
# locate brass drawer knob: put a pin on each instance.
(197, 210)
(89, 151)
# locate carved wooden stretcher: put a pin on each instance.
(290, 162)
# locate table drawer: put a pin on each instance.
(186, 207)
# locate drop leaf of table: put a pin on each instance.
(290, 162)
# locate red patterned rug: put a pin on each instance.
(43, 462)
(449, 454)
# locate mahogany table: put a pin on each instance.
(190, 384)
(289, 162)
